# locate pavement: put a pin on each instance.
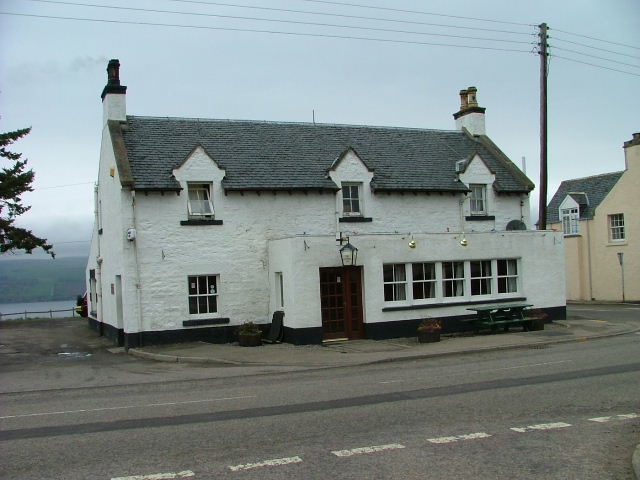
(360, 352)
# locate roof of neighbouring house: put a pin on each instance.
(258, 155)
(588, 192)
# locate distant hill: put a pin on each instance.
(42, 280)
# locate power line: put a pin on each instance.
(598, 39)
(595, 56)
(357, 17)
(594, 48)
(417, 11)
(594, 65)
(296, 22)
(274, 32)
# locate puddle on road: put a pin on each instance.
(74, 354)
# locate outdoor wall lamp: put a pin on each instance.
(464, 242)
(348, 255)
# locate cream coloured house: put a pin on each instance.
(601, 224)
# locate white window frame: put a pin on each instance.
(400, 284)
(397, 284)
(418, 268)
(478, 203)
(508, 281)
(348, 200)
(203, 191)
(456, 281)
(204, 289)
(616, 227)
(483, 280)
(570, 218)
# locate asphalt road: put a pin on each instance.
(568, 411)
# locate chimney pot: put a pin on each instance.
(471, 97)
(463, 99)
(113, 72)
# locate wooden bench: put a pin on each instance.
(505, 315)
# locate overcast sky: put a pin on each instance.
(52, 72)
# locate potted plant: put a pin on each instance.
(536, 319)
(429, 330)
(249, 335)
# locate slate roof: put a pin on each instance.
(294, 156)
(595, 188)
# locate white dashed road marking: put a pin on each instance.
(373, 449)
(625, 416)
(265, 463)
(542, 426)
(158, 476)
(457, 438)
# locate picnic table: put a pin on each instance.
(505, 315)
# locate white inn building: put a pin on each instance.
(352, 231)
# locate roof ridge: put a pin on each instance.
(275, 122)
(594, 176)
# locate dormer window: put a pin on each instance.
(570, 220)
(352, 199)
(200, 205)
(478, 199)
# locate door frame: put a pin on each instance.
(353, 323)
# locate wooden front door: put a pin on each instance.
(341, 302)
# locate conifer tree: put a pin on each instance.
(15, 179)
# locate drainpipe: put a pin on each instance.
(98, 292)
(588, 225)
(137, 265)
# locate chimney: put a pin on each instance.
(113, 94)
(632, 152)
(470, 116)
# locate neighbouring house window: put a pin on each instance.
(279, 290)
(200, 204)
(351, 199)
(570, 221)
(453, 279)
(507, 276)
(478, 199)
(480, 277)
(203, 294)
(424, 280)
(395, 282)
(616, 227)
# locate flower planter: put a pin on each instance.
(250, 339)
(428, 336)
(536, 324)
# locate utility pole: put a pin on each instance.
(542, 204)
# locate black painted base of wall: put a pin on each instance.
(296, 336)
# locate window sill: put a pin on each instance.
(355, 219)
(479, 218)
(200, 222)
(570, 235)
(621, 243)
(205, 321)
(453, 304)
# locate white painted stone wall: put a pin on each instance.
(540, 263)
(260, 236)
(473, 122)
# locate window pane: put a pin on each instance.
(202, 285)
(388, 293)
(399, 274)
(193, 304)
(202, 304)
(211, 280)
(213, 304)
(387, 273)
(193, 285)
(399, 292)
